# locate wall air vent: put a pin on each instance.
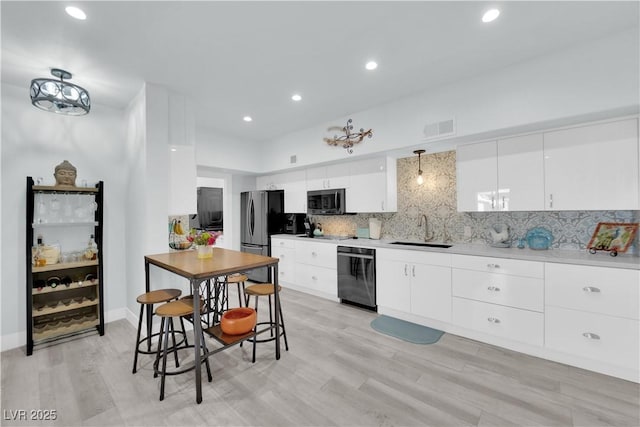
(440, 129)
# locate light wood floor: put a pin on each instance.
(338, 371)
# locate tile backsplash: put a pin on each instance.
(436, 199)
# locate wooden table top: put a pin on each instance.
(224, 261)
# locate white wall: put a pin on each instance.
(591, 80)
(33, 143)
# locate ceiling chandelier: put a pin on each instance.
(349, 139)
(59, 96)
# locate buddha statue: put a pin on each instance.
(65, 174)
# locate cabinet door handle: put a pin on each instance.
(502, 202)
(314, 254)
(591, 289)
(405, 269)
(493, 319)
(550, 200)
(413, 270)
(591, 336)
(493, 265)
(494, 289)
(314, 278)
(282, 256)
(382, 205)
(281, 243)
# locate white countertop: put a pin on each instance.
(600, 259)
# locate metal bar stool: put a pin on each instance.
(166, 312)
(265, 289)
(239, 280)
(148, 300)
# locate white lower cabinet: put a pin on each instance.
(507, 322)
(316, 267)
(502, 297)
(414, 282)
(592, 312)
(284, 250)
(612, 340)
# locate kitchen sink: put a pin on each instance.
(425, 245)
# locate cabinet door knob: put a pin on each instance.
(493, 265)
(282, 256)
(494, 289)
(314, 254)
(591, 336)
(314, 278)
(591, 289)
(493, 319)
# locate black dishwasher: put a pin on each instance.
(357, 277)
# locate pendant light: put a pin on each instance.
(59, 96)
(420, 179)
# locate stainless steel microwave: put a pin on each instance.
(326, 202)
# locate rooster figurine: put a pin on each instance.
(500, 236)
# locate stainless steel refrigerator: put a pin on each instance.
(262, 214)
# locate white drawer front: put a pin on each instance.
(320, 254)
(514, 267)
(287, 263)
(611, 291)
(613, 340)
(282, 243)
(317, 278)
(513, 291)
(512, 323)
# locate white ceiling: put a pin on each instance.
(247, 58)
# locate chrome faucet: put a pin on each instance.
(427, 237)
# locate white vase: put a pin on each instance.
(204, 251)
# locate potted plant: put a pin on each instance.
(204, 241)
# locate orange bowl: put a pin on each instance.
(238, 321)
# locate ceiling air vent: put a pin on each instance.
(440, 129)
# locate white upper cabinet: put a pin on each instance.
(477, 175)
(592, 167)
(373, 186)
(328, 177)
(295, 192)
(521, 174)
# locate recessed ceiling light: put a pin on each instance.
(76, 12)
(247, 118)
(490, 15)
(296, 97)
(371, 65)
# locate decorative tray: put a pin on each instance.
(539, 238)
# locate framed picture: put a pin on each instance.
(612, 236)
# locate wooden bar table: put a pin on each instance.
(224, 262)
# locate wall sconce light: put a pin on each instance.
(420, 179)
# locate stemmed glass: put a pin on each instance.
(54, 206)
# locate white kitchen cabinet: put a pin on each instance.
(592, 167)
(592, 312)
(503, 175)
(499, 296)
(328, 177)
(373, 186)
(520, 173)
(316, 267)
(295, 192)
(414, 282)
(284, 250)
(477, 177)
(294, 186)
